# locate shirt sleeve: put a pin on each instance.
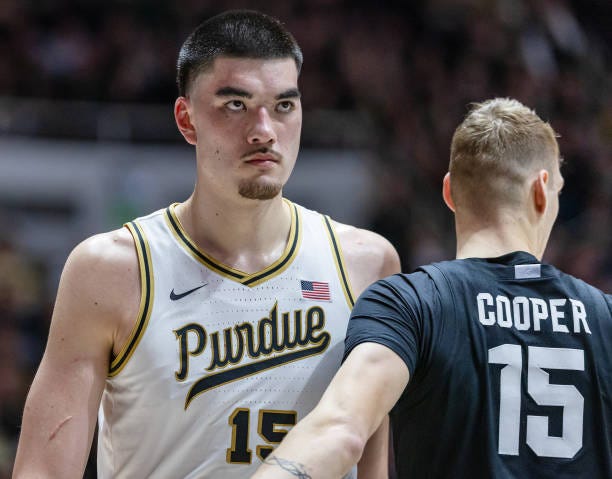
(390, 313)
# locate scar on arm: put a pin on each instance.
(59, 426)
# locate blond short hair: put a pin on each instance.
(494, 149)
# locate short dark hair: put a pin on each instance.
(238, 34)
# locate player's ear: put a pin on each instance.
(540, 191)
(182, 116)
(446, 192)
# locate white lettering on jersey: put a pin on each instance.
(523, 313)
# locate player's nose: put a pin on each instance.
(262, 129)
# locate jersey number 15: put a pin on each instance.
(272, 427)
(544, 394)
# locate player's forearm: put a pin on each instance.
(43, 470)
(43, 452)
(46, 458)
(374, 462)
(57, 428)
(314, 451)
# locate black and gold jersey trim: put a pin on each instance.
(295, 236)
(146, 298)
(337, 253)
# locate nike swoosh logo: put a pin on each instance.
(174, 296)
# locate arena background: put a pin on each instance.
(87, 137)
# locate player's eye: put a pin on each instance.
(235, 105)
(285, 106)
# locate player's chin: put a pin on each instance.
(259, 189)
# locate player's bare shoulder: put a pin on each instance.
(101, 279)
(368, 255)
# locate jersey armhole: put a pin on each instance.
(339, 262)
(146, 299)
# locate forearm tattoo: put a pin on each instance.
(294, 468)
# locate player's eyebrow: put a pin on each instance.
(291, 93)
(233, 91)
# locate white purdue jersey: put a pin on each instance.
(221, 363)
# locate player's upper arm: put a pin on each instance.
(98, 290)
(368, 256)
(367, 386)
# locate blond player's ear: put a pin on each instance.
(446, 192)
(182, 116)
(540, 191)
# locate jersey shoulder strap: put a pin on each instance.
(442, 283)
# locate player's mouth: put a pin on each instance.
(269, 162)
(262, 158)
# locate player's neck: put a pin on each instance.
(248, 235)
(482, 239)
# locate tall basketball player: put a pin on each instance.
(204, 331)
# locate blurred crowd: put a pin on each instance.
(411, 67)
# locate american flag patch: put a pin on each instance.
(315, 290)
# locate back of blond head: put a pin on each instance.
(494, 150)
